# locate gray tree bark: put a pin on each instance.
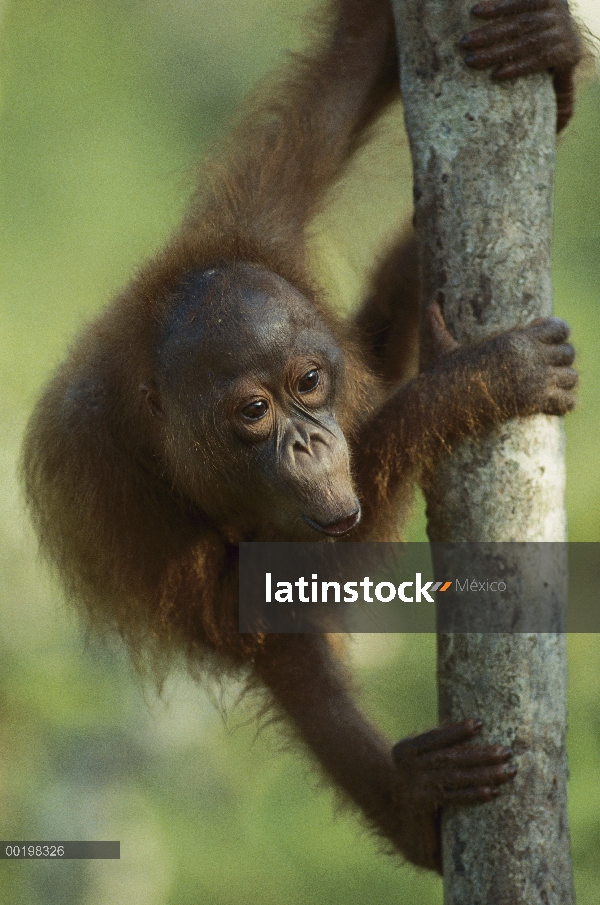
(483, 157)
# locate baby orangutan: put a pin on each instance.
(218, 399)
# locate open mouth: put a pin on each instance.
(336, 529)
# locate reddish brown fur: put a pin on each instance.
(129, 546)
(122, 543)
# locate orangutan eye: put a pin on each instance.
(309, 382)
(255, 410)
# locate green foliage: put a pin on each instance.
(105, 108)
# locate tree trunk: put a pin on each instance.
(483, 156)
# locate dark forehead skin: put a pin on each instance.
(239, 319)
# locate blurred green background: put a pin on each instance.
(105, 109)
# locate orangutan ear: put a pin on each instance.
(152, 399)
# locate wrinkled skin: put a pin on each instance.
(438, 770)
(218, 399)
(264, 366)
(528, 32)
(277, 394)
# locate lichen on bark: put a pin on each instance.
(483, 157)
